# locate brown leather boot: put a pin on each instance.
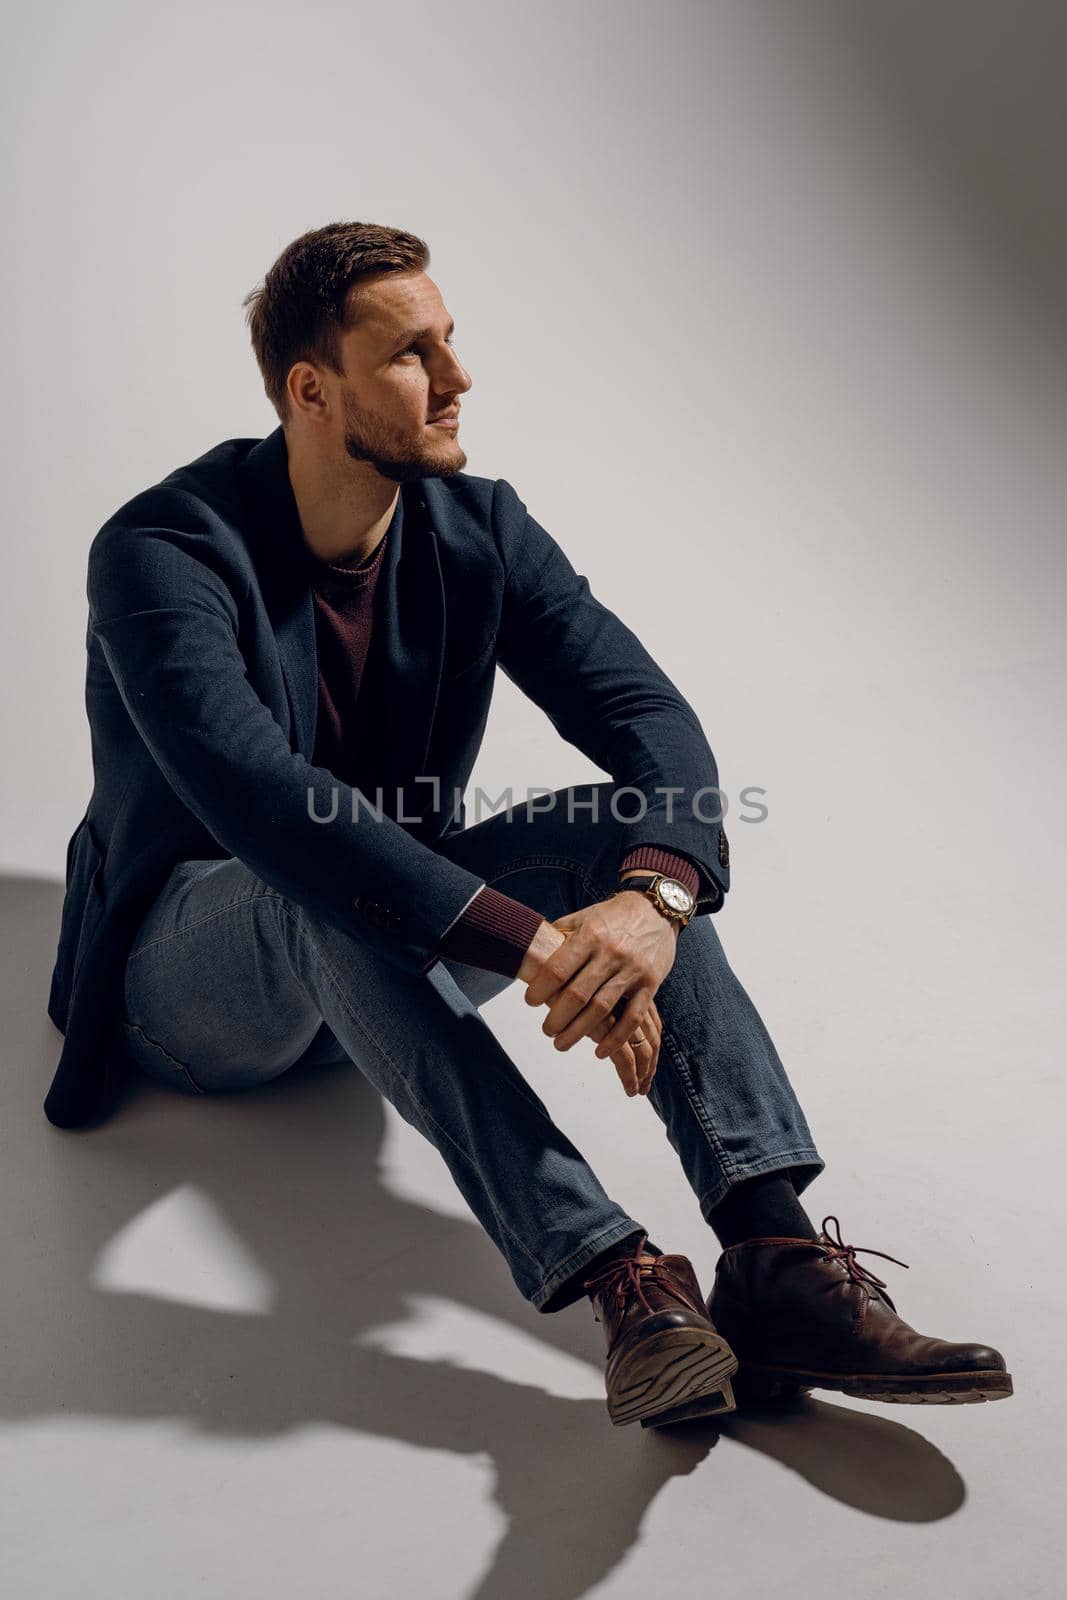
(665, 1359)
(804, 1314)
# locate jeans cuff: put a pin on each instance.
(563, 1286)
(807, 1161)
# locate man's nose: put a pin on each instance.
(453, 378)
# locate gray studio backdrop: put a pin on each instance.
(764, 308)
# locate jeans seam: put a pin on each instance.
(681, 1066)
(432, 1121)
(198, 922)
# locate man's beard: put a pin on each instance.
(366, 439)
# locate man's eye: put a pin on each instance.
(413, 349)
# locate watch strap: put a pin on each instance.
(645, 884)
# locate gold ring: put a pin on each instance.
(638, 1038)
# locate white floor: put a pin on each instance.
(257, 1346)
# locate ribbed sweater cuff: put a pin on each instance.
(653, 858)
(494, 932)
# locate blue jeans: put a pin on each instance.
(229, 983)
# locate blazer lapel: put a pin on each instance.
(295, 633)
(282, 563)
(407, 646)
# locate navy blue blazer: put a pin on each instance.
(201, 693)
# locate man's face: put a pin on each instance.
(400, 374)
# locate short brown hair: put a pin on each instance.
(304, 304)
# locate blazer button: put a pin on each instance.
(724, 849)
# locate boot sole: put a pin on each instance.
(673, 1376)
(762, 1384)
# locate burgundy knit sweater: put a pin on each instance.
(493, 931)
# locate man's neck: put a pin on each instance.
(344, 511)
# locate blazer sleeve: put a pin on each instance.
(168, 625)
(604, 694)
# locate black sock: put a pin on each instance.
(761, 1207)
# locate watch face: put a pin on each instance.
(676, 895)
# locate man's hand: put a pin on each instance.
(634, 1063)
(613, 960)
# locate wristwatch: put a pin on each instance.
(670, 898)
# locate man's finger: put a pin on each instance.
(631, 1061)
(575, 996)
(626, 1067)
(558, 970)
(584, 1013)
(629, 1018)
(645, 1072)
(653, 1029)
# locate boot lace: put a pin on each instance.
(626, 1276)
(838, 1250)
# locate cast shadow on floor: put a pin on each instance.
(295, 1169)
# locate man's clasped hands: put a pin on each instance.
(597, 969)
